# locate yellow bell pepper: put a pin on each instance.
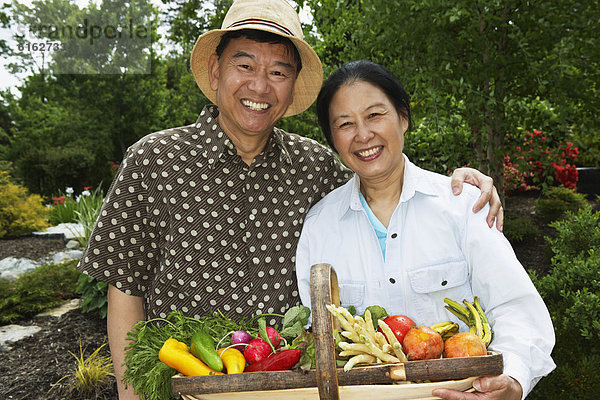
(233, 359)
(177, 355)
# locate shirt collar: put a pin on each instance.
(218, 146)
(415, 180)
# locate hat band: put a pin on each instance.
(254, 21)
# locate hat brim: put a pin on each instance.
(308, 83)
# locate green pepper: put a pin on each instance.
(203, 346)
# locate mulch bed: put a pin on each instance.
(32, 247)
(35, 364)
(30, 369)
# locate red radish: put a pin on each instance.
(241, 338)
(274, 336)
(257, 350)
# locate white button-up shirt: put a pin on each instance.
(436, 247)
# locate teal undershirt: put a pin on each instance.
(380, 229)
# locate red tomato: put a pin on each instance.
(400, 325)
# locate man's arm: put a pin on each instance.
(488, 193)
(123, 312)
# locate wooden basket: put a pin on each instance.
(327, 382)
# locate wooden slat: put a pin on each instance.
(454, 368)
(323, 291)
(427, 370)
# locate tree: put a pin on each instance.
(187, 20)
(68, 126)
(478, 59)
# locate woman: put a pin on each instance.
(398, 238)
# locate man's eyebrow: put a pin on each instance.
(283, 64)
(242, 53)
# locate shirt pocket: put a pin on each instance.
(352, 294)
(433, 283)
(437, 277)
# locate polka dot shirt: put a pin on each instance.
(189, 226)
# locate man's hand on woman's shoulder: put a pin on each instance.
(488, 193)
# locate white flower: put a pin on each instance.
(69, 190)
(86, 193)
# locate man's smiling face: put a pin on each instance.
(255, 86)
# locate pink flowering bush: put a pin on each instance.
(534, 162)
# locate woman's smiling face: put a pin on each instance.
(367, 131)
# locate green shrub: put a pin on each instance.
(44, 170)
(93, 294)
(556, 200)
(44, 288)
(577, 234)
(520, 230)
(20, 213)
(439, 144)
(571, 291)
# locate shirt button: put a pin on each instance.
(392, 280)
(444, 282)
(394, 235)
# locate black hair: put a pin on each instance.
(361, 71)
(260, 37)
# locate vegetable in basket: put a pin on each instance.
(377, 313)
(257, 350)
(280, 361)
(233, 359)
(240, 338)
(464, 344)
(423, 343)
(151, 378)
(202, 346)
(177, 355)
(400, 325)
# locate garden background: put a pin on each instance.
(509, 87)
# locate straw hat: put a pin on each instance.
(275, 16)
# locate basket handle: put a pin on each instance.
(324, 290)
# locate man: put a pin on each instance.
(208, 216)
